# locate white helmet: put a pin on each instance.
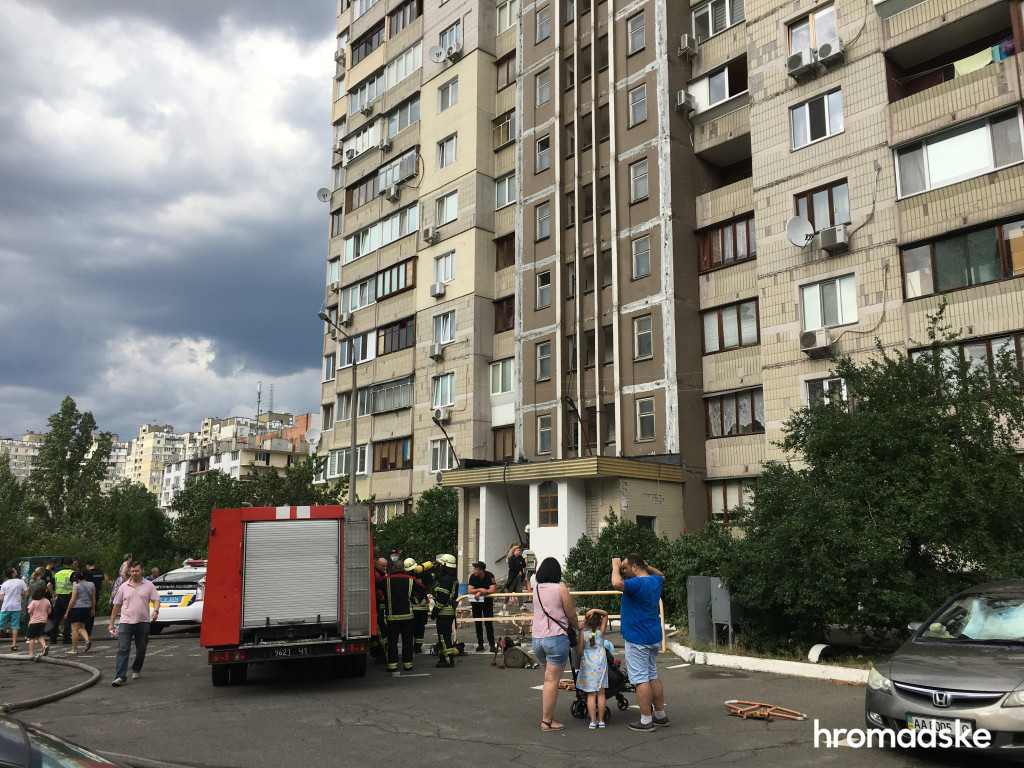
(448, 561)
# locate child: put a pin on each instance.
(38, 611)
(593, 673)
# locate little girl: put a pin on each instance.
(38, 611)
(593, 673)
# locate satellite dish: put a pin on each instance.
(436, 53)
(323, 194)
(313, 436)
(799, 231)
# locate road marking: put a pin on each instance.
(677, 666)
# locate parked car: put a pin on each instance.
(966, 664)
(23, 746)
(181, 595)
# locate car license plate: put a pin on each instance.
(169, 599)
(295, 650)
(939, 724)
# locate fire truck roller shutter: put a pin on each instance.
(275, 551)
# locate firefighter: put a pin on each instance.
(379, 644)
(420, 611)
(401, 592)
(446, 592)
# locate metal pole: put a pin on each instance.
(353, 404)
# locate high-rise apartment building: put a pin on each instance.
(155, 447)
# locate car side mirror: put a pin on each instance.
(915, 625)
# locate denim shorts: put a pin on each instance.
(641, 661)
(552, 650)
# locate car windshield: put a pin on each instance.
(978, 618)
(178, 578)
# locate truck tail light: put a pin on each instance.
(220, 657)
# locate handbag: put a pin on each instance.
(570, 630)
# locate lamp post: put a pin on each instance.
(353, 399)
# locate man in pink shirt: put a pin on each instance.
(132, 602)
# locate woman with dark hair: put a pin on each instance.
(551, 634)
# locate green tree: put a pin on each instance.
(429, 530)
(195, 501)
(907, 490)
(141, 527)
(13, 519)
(65, 474)
(296, 486)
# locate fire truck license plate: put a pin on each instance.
(298, 650)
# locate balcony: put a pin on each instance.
(724, 140)
(726, 202)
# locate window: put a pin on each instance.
(638, 181)
(638, 105)
(506, 71)
(544, 434)
(337, 223)
(586, 63)
(446, 151)
(737, 413)
(602, 53)
(964, 152)
(504, 252)
(405, 15)
(338, 462)
(730, 326)
(586, 131)
(504, 314)
(396, 336)
(825, 207)
(451, 36)
(543, 360)
(504, 131)
(441, 455)
(716, 16)
(504, 444)
(727, 498)
(505, 190)
(543, 220)
(368, 43)
(635, 33)
(363, 350)
(829, 303)
(442, 390)
(813, 30)
(360, 193)
(608, 344)
(388, 396)
(588, 274)
(364, 93)
(401, 118)
(604, 194)
(604, 268)
(501, 376)
(543, 153)
(817, 119)
(547, 504)
(643, 338)
(397, 171)
(727, 82)
(448, 95)
(444, 267)
(589, 349)
(645, 418)
(543, 290)
(392, 454)
(641, 256)
(544, 23)
(403, 65)
(329, 361)
(964, 259)
(543, 83)
(604, 129)
(507, 13)
(395, 279)
(825, 391)
(447, 208)
(444, 328)
(358, 295)
(570, 73)
(359, 7)
(587, 201)
(399, 224)
(727, 243)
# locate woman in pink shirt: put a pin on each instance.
(554, 612)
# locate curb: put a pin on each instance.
(775, 666)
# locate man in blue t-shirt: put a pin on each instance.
(642, 631)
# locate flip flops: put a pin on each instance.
(546, 725)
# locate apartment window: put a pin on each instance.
(329, 366)
(586, 131)
(359, 7)
(442, 390)
(604, 124)
(635, 33)
(389, 396)
(451, 36)
(447, 208)
(588, 274)
(645, 418)
(547, 504)
(544, 23)
(446, 151)
(964, 259)
(570, 208)
(504, 252)
(397, 171)
(543, 220)
(392, 454)
(638, 181)
(570, 279)
(716, 16)
(405, 15)
(825, 207)
(368, 43)
(504, 444)
(403, 65)
(829, 303)
(358, 295)
(589, 349)
(396, 336)
(727, 243)
(360, 345)
(813, 30)
(406, 115)
(587, 202)
(604, 268)
(361, 193)
(543, 83)
(505, 190)
(506, 71)
(737, 413)
(364, 93)
(543, 360)
(641, 247)
(570, 345)
(444, 328)
(729, 327)
(448, 95)
(507, 13)
(728, 498)
(441, 455)
(604, 194)
(602, 53)
(608, 344)
(643, 338)
(444, 267)
(504, 131)
(586, 64)
(727, 82)
(399, 224)
(395, 279)
(964, 152)
(825, 391)
(544, 434)
(501, 376)
(570, 72)
(337, 223)
(543, 290)
(504, 314)
(638, 105)
(817, 119)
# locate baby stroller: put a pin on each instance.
(618, 685)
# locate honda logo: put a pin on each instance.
(941, 699)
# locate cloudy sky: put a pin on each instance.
(161, 244)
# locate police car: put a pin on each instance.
(181, 595)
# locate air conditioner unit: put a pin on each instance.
(345, 319)
(334, 286)
(815, 343)
(688, 46)
(437, 290)
(454, 52)
(436, 351)
(431, 235)
(349, 154)
(392, 193)
(685, 102)
(444, 415)
(339, 56)
(831, 52)
(366, 109)
(800, 63)
(385, 145)
(834, 240)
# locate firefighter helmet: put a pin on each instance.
(409, 564)
(448, 561)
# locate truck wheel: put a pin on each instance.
(155, 629)
(238, 673)
(357, 665)
(220, 674)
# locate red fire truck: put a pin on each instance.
(288, 584)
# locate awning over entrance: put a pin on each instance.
(589, 466)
